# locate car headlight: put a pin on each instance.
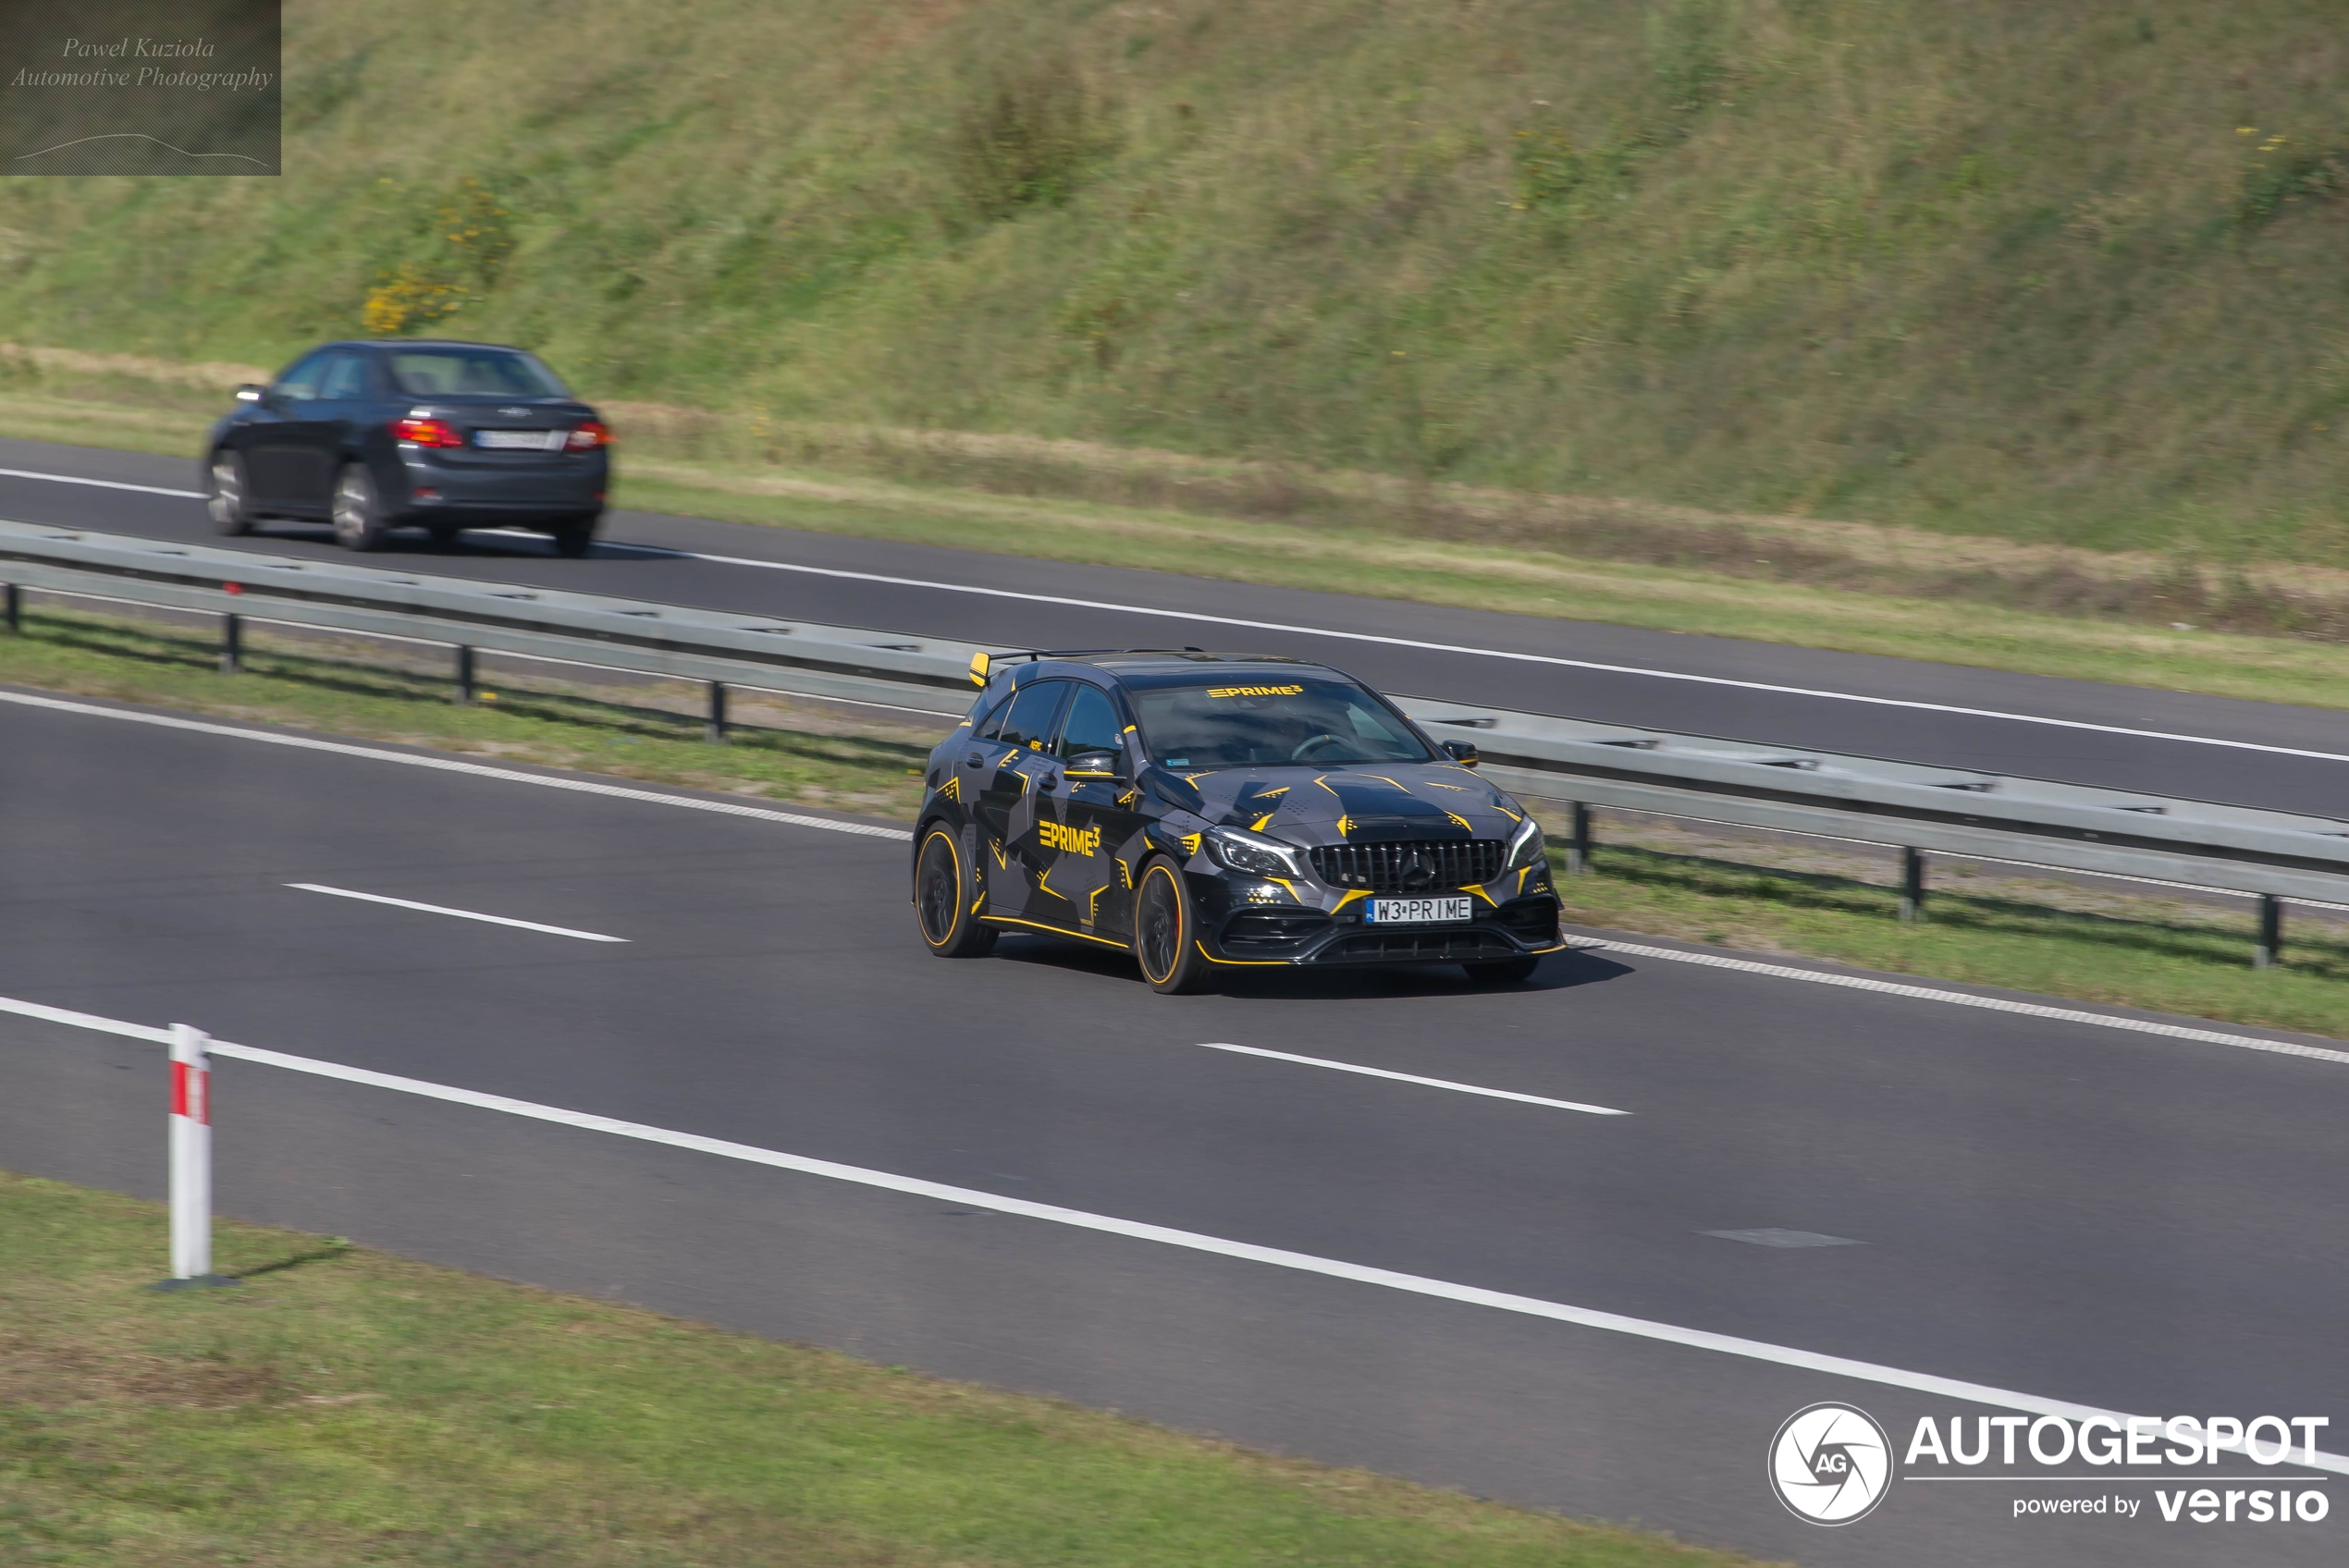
(1238, 850)
(1527, 848)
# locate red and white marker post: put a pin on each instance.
(191, 1157)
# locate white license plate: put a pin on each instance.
(1417, 912)
(520, 440)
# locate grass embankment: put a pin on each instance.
(1985, 925)
(344, 1406)
(1901, 594)
(2060, 271)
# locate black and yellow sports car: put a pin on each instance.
(1206, 810)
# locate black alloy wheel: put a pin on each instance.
(228, 499)
(574, 536)
(1165, 933)
(945, 900)
(360, 523)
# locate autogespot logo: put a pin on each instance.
(1830, 1464)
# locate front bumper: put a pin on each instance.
(1246, 920)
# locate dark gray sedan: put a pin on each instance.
(438, 435)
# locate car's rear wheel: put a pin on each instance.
(360, 523)
(1502, 971)
(1166, 932)
(229, 497)
(573, 535)
(946, 899)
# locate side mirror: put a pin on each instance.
(1461, 752)
(250, 393)
(1102, 764)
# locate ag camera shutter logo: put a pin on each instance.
(1830, 1464)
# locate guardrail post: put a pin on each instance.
(232, 642)
(465, 673)
(190, 1162)
(1578, 843)
(2270, 945)
(1912, 884)
(12, 606)
(717, 730)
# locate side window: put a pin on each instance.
(1092, 725)
(301, 384)
(983, 727)
(1028, 721)
(345, 380)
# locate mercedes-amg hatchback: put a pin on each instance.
(443, 436)
(1209, 811)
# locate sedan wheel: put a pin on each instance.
(230, 501)
(359, 519)
(946, 900)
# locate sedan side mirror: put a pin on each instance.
(1099, 764)
(1461, 752)
(250, 393)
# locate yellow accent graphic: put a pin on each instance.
(1325, 784)
(1008, 759)
(1258, 825)
(1523, 873)
(1074, 841)
(1272, 794)
(953, 790)
(1463, 820)
(1055, 930)
(1384, 779)
(1125, 874)
(1486, 897)
(1190, 843)
(997, 845)
(1128, 797)
(979, 670)
(1356, 893)
(1129, 729)
(1092, 899)
(1345, 827)
(1289, 885)
(1239, 962)
(1512, 816)
(1044, 885)
(1435, 784)
(1256, 690)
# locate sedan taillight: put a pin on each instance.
(425, 433)
(589, 436)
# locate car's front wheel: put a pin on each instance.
(1166, 932)
(946, 899)
(360, 523)
(228, 499)
(1502, 971)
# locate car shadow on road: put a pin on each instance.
(1559, 971)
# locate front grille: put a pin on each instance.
(1409, 866)
(1419, 947)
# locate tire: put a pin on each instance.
(360, 523)
(229, 497)
(1166, 932)
(574, 536)
(946, 895)
(1504, 971)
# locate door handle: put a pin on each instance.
(974, 760)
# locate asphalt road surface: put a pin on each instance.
(2209, 748)
(2126, 1220)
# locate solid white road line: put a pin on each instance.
(1413, 1078)
(1204, 618)
(101, 483)
(448, 765)
(459, 913)
(1961, 999)
(1192, 1241)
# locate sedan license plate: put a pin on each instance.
(1417, 912)
(520, 440)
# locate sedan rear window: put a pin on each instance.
(455, 373)
(1256, 721)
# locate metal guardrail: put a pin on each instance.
(1916, 808)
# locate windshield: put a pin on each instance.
(455, 373)
(1300, 719)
